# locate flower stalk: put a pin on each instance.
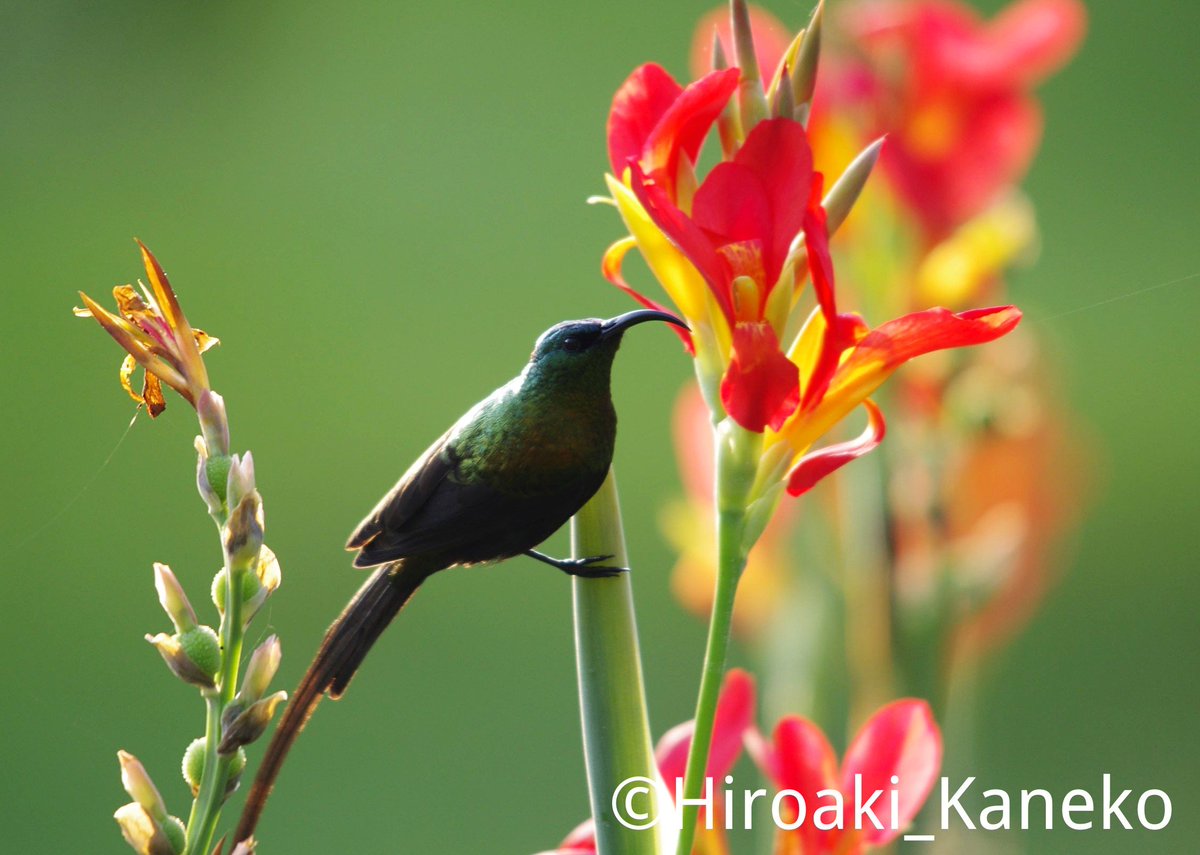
(151, 327)
(612, 698)
(736, 466)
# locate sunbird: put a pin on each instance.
(501, 480)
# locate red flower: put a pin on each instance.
(739, 234)
(901, 740)
(952, 93)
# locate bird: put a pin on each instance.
(505, 476)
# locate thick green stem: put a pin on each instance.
(612, 700)
(729, 568)
(737, 456)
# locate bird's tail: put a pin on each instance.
(341, 653)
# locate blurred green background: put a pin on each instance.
(377, 207)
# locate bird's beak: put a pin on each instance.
(618, 325)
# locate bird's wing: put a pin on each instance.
(409, 495)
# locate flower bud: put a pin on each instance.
(243, 726)
(137, 783)
(244, 531)
(194, 656)
(147, 835)
(210, 408)
(260, 670)
(240, 480)
(845, 191)
(246, 847)
(174, 600)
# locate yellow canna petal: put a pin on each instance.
(679, 278)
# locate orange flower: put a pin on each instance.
(156, 335)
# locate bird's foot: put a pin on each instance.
(585, 568)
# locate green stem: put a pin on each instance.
(737, 453)
(612, 699)
(729, 567)
(206, 809)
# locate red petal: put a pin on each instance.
(761, 194)
(761, 386)
(684, 234)
(685, 124)
(610, 266)
(898, 341)
(815, 466)
(1026, 42)
(1034, 38)
(900, 740)
(735, 712)
(806, 763)
(996, 139)
(636, 109)
(653, 120)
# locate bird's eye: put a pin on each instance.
(573, 343)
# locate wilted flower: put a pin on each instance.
(153, 330)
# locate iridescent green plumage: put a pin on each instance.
(501, 480)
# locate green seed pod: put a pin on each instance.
(203, 648)
(217, 469)
(193, 764)
(174, 831)
(250, 586)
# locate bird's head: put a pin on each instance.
(575, 345)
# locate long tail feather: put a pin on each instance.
(341, 653)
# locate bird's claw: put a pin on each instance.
(584, 568)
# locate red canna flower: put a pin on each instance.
(733, 251)
(901, 740)
(953, 94)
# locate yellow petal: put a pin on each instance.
(679, 278)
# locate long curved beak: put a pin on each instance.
(618, 325)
